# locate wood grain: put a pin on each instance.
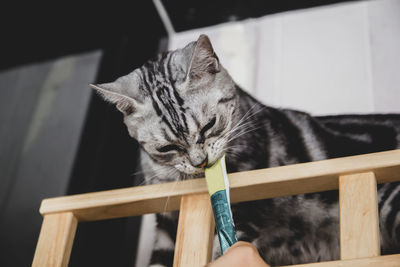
(195, 234)
(245, 186)
(381, 261)
(359, 222)
(55, 240)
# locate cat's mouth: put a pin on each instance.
(199, 172)
(214, 160)
(185, 175)
(196, 171)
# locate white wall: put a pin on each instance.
(335, 59)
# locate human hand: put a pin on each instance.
(239, 255)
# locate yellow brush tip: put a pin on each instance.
(215, 177)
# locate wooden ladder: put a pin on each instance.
(356, 178)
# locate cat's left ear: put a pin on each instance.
(204, 60)
(122, 92)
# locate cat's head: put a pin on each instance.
(179, 107)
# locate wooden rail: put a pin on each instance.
(265, 183)
(359, 222)
(355, 177)
(196, 231)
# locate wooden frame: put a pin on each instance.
(355, 177)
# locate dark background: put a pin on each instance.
(128, 35)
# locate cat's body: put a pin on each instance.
(192, 113)
(304, 228)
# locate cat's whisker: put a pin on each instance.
(243, 129)
(141, 174)
(247, 116)
(248, 121)
(158, 172)
(240, 127)
(245, 132)
(148, 180)
(230, 150)
(229, 137)
(244, 116)
(231, 154)
(250, 118)
(184, 177)
(235, 147)
(137, 173)
(171, 172)
(237, 127)
(243, 124)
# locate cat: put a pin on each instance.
(186, 112)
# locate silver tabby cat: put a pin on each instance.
(186, 112)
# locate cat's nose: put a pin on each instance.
(203, 163)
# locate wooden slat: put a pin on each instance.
(55, 240)
(245, 186)
(359, 222)
(195, 233)
(381, 261)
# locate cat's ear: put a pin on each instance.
(116, 93)
(204, 60)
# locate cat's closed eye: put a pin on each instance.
(205, 129)
(208, 126)
(169, 148)
(226, 99)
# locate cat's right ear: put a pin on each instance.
(203, 60)
(112, 93)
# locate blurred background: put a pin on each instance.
(58, 138)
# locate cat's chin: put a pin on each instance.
(197, 173)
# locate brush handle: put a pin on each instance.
(223, 220)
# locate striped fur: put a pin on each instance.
(184, 109)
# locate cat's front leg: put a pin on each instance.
(163, 250)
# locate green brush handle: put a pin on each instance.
(223, 220)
